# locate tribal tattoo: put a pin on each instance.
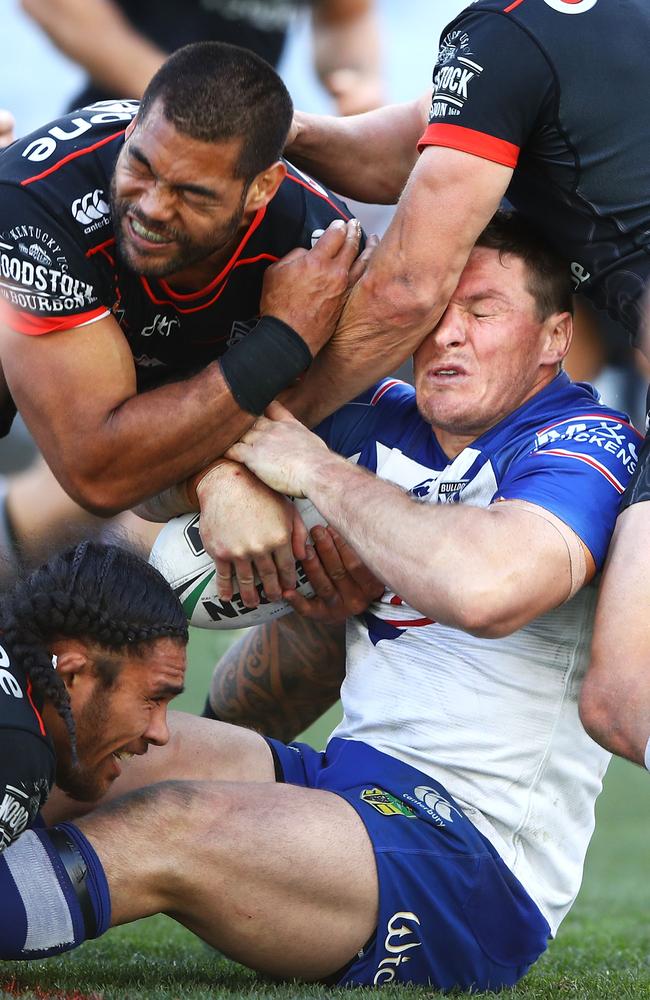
(280, 677)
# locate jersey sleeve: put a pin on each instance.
(350, 428)
(491, 85)
(27, 765)
(26, 776)
(578, 470)
(47, 283)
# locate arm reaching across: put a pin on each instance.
(488, 570)
(367, 156)
(449, 199)
(114, 464)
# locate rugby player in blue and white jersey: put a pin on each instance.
(530, 100)
(440, 838)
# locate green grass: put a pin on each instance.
(602, 951)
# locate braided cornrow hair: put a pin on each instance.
(103, 594)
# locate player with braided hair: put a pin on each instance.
(92, 649)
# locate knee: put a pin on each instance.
(609, 713)
(596, 711)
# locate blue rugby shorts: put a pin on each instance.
(451, 913)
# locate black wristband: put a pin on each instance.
(264, 363)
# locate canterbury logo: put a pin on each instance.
(571, 6)
(90, 208)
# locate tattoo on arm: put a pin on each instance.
(280, 677)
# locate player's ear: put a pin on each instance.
(265, 185)
(128, 132)
(558, 333)
(72, 657)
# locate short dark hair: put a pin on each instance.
(549, 279)
(214, 92)
(103, 594)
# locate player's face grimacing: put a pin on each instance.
(175, 200)
(117, 721)
(489, 353)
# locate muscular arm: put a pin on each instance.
(279, 678)
(449, 199)
(108, 446)
(368, 156)
(111, 447)
(95, 34)
(487, 571)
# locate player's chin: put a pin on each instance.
(152, 262)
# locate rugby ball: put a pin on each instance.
(179, 555)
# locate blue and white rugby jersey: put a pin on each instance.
(494, 720)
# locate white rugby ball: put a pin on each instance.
(179, 555)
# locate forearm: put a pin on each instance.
(457, 564)
(449, 199)
(148, 443)
(95, 34)
(279, 678)
(368, 157)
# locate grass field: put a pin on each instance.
(602, 951)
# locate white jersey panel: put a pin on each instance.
(441, 700)
(493, 720)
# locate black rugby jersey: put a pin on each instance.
(558, 90)
(59, 268)
(27, 762)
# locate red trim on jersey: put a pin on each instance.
(468, 140)
(408, 622)
(254, 260)
(188, 296)
(590, 416)
(35, 326)
(168, 302)
(36, 711)
(588, 460)
(101, 247)
(319, 194)
(515, 3)
(384, 389)
(72, 156)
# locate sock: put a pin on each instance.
(54, 894)
(646, 759)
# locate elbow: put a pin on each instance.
(479, 614)
(95, 494)
(595, 710)
(608, 710)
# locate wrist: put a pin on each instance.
(194, 485)
(267, 361)
(321, 475)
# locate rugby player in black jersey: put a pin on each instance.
(532, 100)
(92, 649)
(133, 255)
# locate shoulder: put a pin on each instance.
(581, 419)
(301, 210)
(386, 410)
(48, 149)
